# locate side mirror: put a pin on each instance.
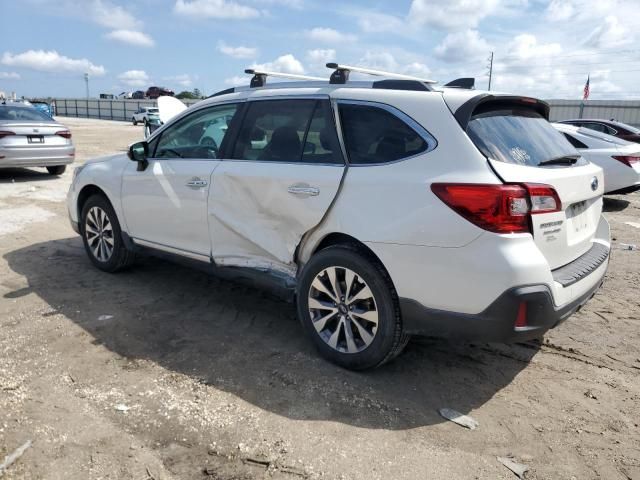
(138, 152)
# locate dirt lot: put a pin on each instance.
(165, 373)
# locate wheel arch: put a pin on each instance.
(338, 238)
(85, 193)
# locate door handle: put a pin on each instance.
(197, 183)
(303, 190)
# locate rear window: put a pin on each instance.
(518, 136)
(20, 114)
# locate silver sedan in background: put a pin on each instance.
(30, 138)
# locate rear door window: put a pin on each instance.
(274, 130)
(520, 136)
(373, 135)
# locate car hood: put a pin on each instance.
(106, 158)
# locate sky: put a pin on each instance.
(542, 48)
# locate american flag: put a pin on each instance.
(586, 90)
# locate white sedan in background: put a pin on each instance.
(619, 159)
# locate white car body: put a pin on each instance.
(452, 277)
(601, 149)
(144, 113)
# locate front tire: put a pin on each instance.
(134, 121)
(349, 308)
(57, 169)
(102, 236)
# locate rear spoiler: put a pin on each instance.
(486, 102)
(465, 82)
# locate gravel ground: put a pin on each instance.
(163, 372)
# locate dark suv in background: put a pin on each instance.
(610, 127)
(155, 92)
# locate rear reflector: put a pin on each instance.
(521, 318)
(504, 208)
(628, 160)
(64, 133)
(6, 133)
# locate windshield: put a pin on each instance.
(519, 136)
(18, 114)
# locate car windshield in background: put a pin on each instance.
(22, 114)
(522, 137)
(603, 136)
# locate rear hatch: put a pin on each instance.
(33, 134)
(522, 147)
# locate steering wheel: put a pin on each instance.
(211, 145)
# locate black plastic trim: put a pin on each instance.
(223, 92)
(467, 83)
(582, 266)
(411, 85)
(464, 113)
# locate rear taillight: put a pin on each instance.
(502, 208)
(64, 133)
(6, 133)
(628, 160)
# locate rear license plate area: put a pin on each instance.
(35, 139)
(577, 216)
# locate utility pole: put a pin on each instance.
(86, 81)
(490, 67)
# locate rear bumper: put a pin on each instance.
(496, 323)
(36, 157)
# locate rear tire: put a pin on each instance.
(102, 236)
(349, 308)
(57, 170)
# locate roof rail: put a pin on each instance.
(341, 74)
(260, 77)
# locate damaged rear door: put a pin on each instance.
(283, 173)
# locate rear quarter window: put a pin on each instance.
(373, 135)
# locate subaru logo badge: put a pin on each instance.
(594, 184)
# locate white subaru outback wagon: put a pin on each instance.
(386, 209)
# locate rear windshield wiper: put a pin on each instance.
(561, 160)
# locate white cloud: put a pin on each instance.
(215, 9)
(109, 15)
(9, 76)
(285, 63)
(459, 14)
(388, 61)
(318, 58)
(134, 78)
(612, 33)
(51, 61)
(372, 22)
(462, 46)
(237, 81)
(329, 35)
(237, 52)
(183, 80)
(131, 37)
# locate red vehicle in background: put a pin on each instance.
(155, 92)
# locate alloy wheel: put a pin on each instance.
(99, 234)
(343, 310)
